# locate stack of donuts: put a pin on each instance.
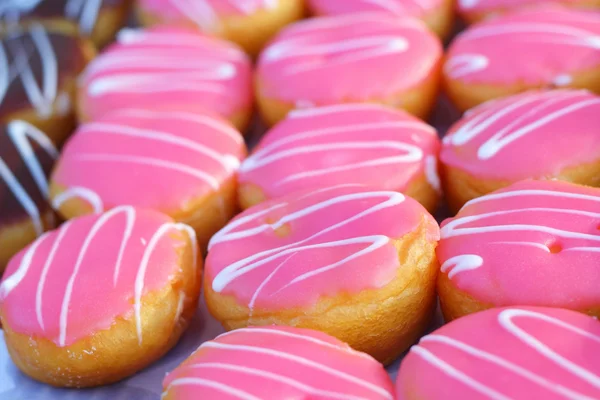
(282, 161)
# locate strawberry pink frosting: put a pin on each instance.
(551, 44)
(478, 6)
(414, 8)
(167, 66)
(278, 363)
(80, 278)
(534, 243)
(331, 145)
(205, 13)
(131, 156)
(495, 140)
(292, 251)
(506, 353)
(327, 60)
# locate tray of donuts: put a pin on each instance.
(299, 199)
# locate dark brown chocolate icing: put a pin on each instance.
(34, 63)
(82, 12)
(26, 159)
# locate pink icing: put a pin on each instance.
(278, 363)
(413, 8)
(496, 139)
(533, 243)
(205, 13)
(331, 145)
(334, 240)
(78, 279)
(551, 43)
(512, 353)
(131, 156)
(167, 66)
(477, 6)
(327, 60)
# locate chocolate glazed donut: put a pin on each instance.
(98, 19)
(38, 68)
(26, 159)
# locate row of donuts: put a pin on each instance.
(105, 295)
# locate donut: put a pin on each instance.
(534, 243)
(26, 158)
(181, 164)
(249, 23)
(476, 10)
(345, 143)
(557, 47)
(349, 58)
(438, 15)
(98, 20)
(521, 137)
(100, 298)
(277, 363)
(176, 69)
(356, 263)
(506, 353)
(38, 68)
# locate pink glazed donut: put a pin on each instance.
(438, 15)
(277, 363)
(100, 298)
(476, 10)
(368, 57)
(171, 68)
(179, 163)
(536, 134)
(347, 143)
(535, 243)
(506, 353)
(555, 46)
(249, 23)
(354, 262)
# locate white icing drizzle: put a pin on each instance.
(276, 332)
(42, 97)
(554, 33)
(261, 373)
(302, 361)
(20, 133)
(79, 192)
(522, 123)
(506, 321)
(157, 73)
(431, 173)
(203, 14)
(245, 265)
(337, 52)
(462, 263)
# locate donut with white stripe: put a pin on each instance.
(477, 10)
(26, 159)
(180, 163)
(437, 14)
(354, 262)
(95, 19)
(38, 69)
(522, 137)
(101, 297)
(557, 47)
(249, 23)
(348, 143)
(365, 57)
(277, 363)
(173, 69)
(534, 243)
(506, 353)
